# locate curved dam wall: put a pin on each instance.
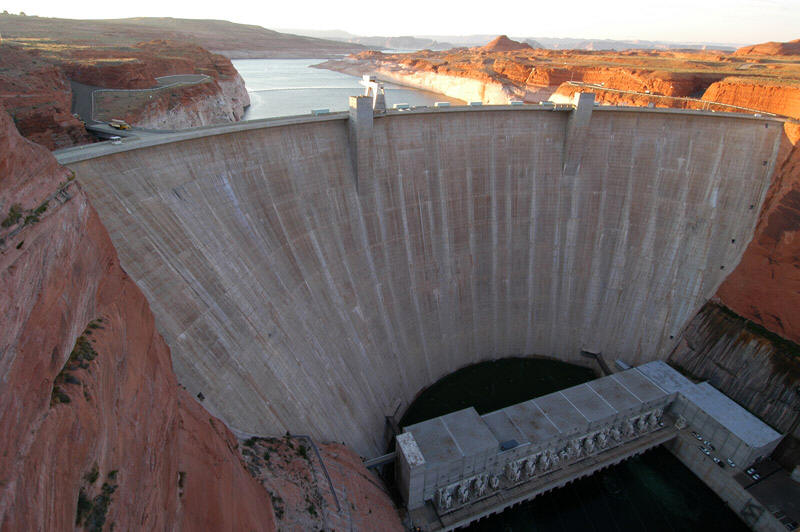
(294, 300)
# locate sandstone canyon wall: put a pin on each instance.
(175, 107)
(38, 97)
(765, 287)
(319, 487)
(757, 369)
(95, 428)
(98, 434)
(221, 98)
(35, 87)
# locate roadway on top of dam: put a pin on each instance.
(141, 138)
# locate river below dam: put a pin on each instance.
(286, 87)
(651, 492)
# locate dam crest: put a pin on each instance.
(309, 279)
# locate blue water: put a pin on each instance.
(284, 87)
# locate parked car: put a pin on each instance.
(756, 476)
(705, 451)
(730, 462)
(750, 471)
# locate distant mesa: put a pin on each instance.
(504, 44)
(533, 44)
(771, 48)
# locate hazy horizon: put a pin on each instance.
(715, 21)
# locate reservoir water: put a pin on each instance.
(652, 492)
(285, 87)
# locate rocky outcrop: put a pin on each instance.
(771, 48)
(34, 84)
(765, 287)
(421, 75)
(37, 95)
(781, 99)
(175, 107)
(504, 44)
(96, 431)
(223, 98)
(517, 71)
(319, 487)
(757, 369)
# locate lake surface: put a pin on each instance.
(285, 87)
(650, 492)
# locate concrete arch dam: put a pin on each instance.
(294, 299)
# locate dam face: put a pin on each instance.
(294, 300)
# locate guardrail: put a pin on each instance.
(186, 80)
(705, 105)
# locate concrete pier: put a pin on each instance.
(301, 289)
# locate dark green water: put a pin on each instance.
(652, 492)
(493, 385)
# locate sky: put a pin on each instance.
(720, 21)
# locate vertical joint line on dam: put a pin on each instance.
(577, 130)
(360, 138)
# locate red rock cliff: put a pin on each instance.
(38, 96)
(95, 427)
(765, 287)
(771, 48)
(35, 88)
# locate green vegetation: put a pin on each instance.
(81, 356)
(16, 212)
(92, 475)
(14, 215)
(58, 396)
(84, 507)
(91, 511)
(94, 512)
(250, 442)
(302, 451)
(277, 505)
(33, 217)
